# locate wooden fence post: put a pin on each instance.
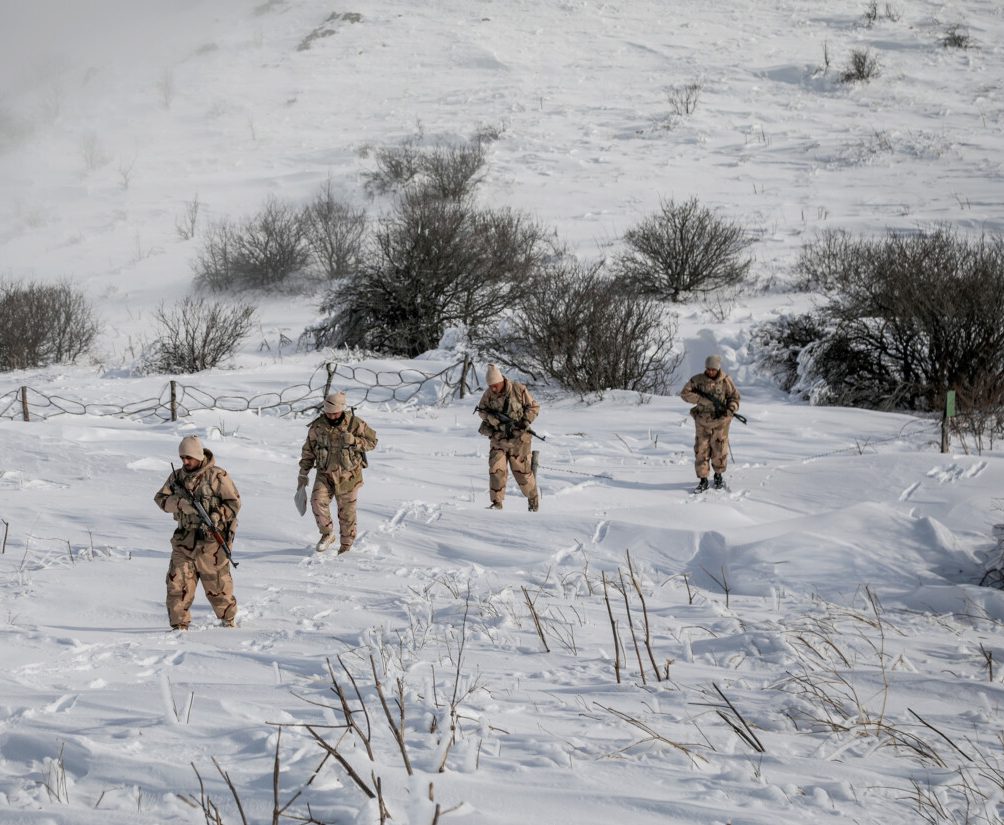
(331, 374)
(174, 400)
(24, 404)
(463, 376)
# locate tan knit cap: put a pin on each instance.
(494, 375)
(713, 362)
(191, 446)
(335, 403)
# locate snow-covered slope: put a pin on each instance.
(820, 648)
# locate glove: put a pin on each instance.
(301, 482)
(185, 506)
(522, 424)
(348, 439)
(300, 499)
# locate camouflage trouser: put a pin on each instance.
(499, 462)
(320, 504)
(193, 561)
(711, 443)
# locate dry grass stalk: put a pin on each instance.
(644, 611)
(613, 627)
(536, 620)
(634, 636)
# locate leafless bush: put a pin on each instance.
(197, 335)
(582, 330)
(92, 152)
(43, 324)
(979, 422)
(684, 99)
(335, 233)
(911, 317)
(262, 252)
(683, 250)
(956, 37)
(186, 225)
(448, 171)
(871, 13)
(166, 88)
(434, 263)
(861, 67)
(396, 167)
(824, 261)
(781, 347)
(454, 172)
(488, 133)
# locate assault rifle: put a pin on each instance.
(509, 422)
(207, 522)
(720, 409)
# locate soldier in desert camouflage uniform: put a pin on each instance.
(336, 446)
(717, 400)
(510, 443)
(195, 555)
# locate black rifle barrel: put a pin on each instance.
(507, 419)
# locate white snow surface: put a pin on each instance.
(820, 647)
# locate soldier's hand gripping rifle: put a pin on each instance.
(720, 409)
(214, 531)
(509, 422)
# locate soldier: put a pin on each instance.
(510, 441)
(717, 400)
(336, 445)
(195, 554)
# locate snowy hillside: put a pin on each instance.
(819, 648)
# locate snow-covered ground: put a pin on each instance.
(819, 646)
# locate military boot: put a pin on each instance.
(325, 541)
(719, 481)
(495, 505)
(344, 549)
(702, 485)
(533, 503)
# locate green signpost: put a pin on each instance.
(949, 413)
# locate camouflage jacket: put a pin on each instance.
(515, 402)
(337, 450)
(212, 487)
(721, 389)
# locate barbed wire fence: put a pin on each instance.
(179, 400)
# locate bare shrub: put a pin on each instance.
(454, 172)
(197, 335)
(911, 317)
(580, 329)
(396, 167)
(824, 261)
(684, 99)
(488, 133)
(433, 264)
(871, 13)
(335, 233)
(166, 88)
(979, 422)
(448, 171)
(861, 67)
(262, 252)
(781, 346)
(186, 225)
(956, 37)
(683, 250)
(92, 152)
(42, 324)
